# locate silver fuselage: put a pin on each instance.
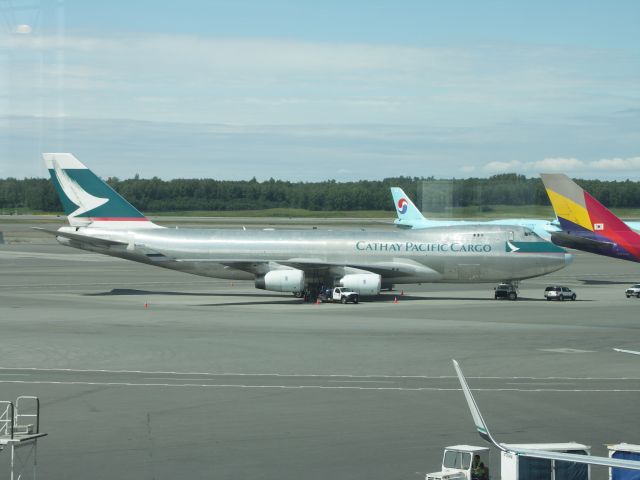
(465, 254)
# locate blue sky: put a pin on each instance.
(316, 90)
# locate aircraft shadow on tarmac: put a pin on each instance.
(280, 299)
(588, 281)
(133, 291)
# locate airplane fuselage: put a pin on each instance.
(466, 254)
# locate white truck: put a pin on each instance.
(339, 294)
(462, 462)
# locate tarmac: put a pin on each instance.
(144, 373)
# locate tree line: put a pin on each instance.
(156, 195)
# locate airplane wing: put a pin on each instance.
(314, 265)
(101, 242)
(632, 352)
(483, 430)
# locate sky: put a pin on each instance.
(309, 90)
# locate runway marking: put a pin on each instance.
(15, 374)
(565, 350)
(293, 375)
(311, 387)
(360, 381)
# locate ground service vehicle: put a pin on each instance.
(557, 292)
(625, 451)
(633, 291)
(460, 462)
(506, 290)
(339, 294)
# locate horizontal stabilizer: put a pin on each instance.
(101, 242)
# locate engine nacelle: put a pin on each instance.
(363, 283)
(282, 281)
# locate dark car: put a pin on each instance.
(504, 290)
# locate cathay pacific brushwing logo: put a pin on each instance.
(75, 193)
(511, 247)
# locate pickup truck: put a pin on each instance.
(633, 291)
(339, 294)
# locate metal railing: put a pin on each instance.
(27, 409)
(6, 419)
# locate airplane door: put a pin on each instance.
(511, 235)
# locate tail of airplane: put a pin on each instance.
(88, 200)
(408, 213)
(586, 223)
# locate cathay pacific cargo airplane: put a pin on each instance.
(410, 217)
(295, 261)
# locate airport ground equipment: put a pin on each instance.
(626, 451)
(633, 291)
(459, 462)
(339, 294)
(19, 433)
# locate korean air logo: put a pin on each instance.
(403, 205)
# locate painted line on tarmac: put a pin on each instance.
(311, 375)
(312, 387)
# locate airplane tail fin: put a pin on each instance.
(593, 226)
(87, 199)
(408, 213)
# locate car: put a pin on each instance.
(558, 292)
(633, 291)
(506, 290)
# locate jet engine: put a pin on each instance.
(290, 280)
(363, 283)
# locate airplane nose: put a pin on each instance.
(568, 258)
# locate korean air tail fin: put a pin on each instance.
(88, 200)
(408, 214)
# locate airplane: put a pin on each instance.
(483, 430)
(295, 261)
(410, 217)
(588, 225)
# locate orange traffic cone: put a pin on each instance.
(395, 299)
(146, 305)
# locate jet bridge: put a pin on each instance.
(19, 434)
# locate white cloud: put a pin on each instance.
(559, 164)
(629, 164)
